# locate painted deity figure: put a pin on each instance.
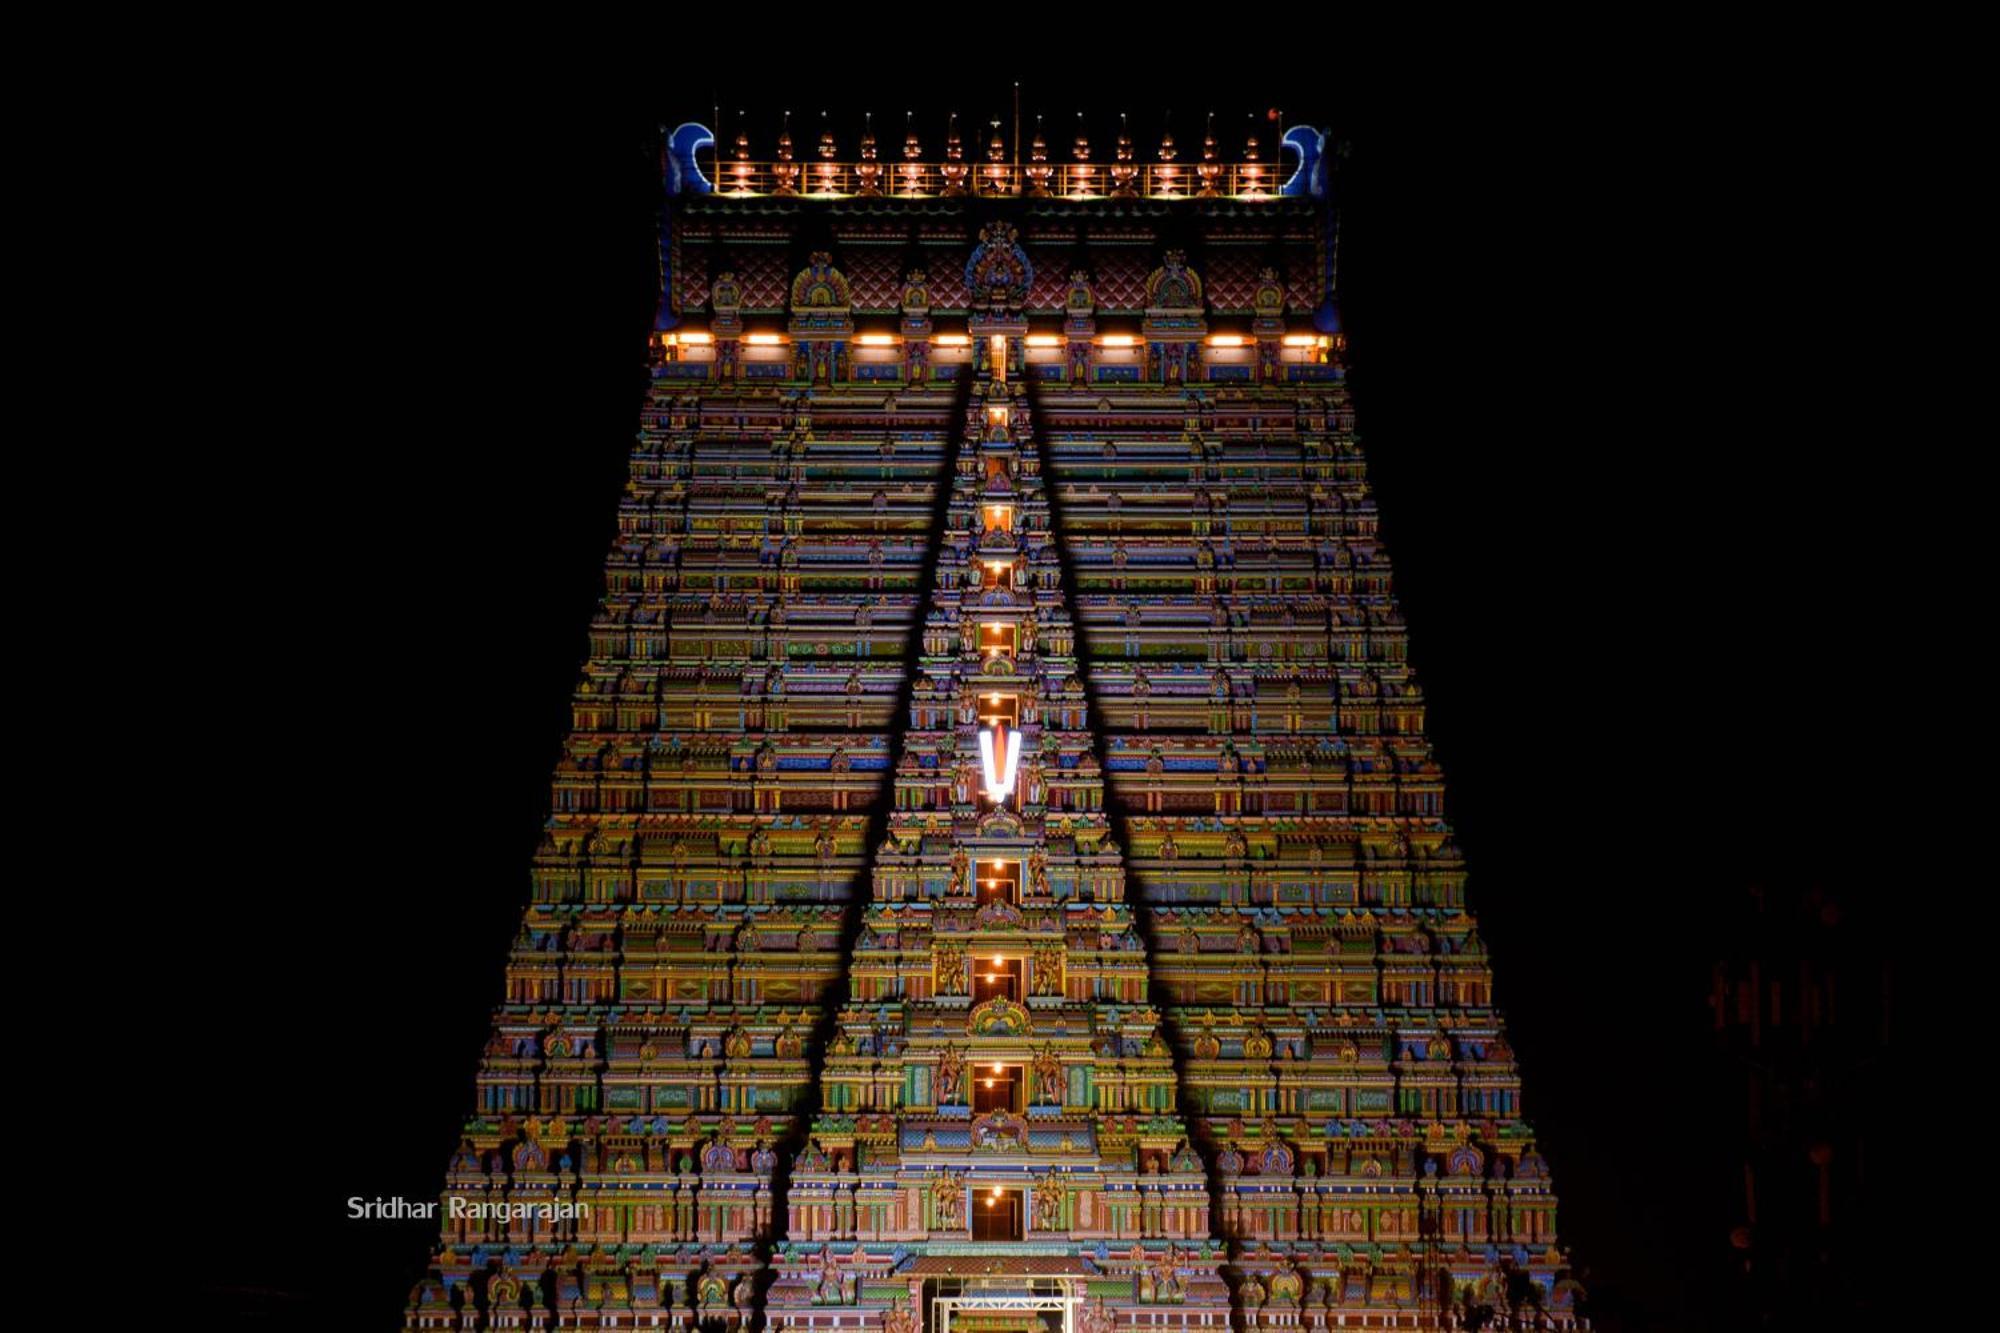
(1048, 1077)
(827, 1290)
(1048, 1202)
(1047, 963)
(950, 971)
(948, 1201)
(951, 1072)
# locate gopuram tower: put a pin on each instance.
(996, 880)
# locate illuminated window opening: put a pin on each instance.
(997, 881)
(996, 978)
(997, 1088)
(996, 467)
(996, 640)
(995, 708)
(997, 573)
(996, 1214)
(999, 518)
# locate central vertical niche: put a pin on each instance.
(998, 1086)
(997, 1213)
(997, 881)
(998, 976)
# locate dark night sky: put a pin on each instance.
(1594, 364)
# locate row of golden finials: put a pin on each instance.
(1123, 177)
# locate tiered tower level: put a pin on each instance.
(997, 879)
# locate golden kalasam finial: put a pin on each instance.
(954, 169)
(1082, 175)
(868, 171)
(1124, 171)
(996, 160)
(1253, 172)
(827, 174)
(1210, 169)
(785, 173)
(1167, 180)
(741, 171)
(1039, 170)
(913, 153)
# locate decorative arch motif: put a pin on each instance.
(820, 286)
(998, 1016)
(1174, 286)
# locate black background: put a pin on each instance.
(1607, 399)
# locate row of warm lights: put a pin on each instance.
(963, 340)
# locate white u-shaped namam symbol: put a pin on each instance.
(999, 776)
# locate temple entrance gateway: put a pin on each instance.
(1003, 1313)
(993, 656)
